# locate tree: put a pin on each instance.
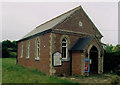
(7, 44)
(9, 49)
(108, 48)
(111, 58)
(14, 46)
(5, 52)
(0, 50)
(116, 48)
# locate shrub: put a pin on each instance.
(5, 52)
(9, 49)
(108, 58)
(115, 79)
(13, 54)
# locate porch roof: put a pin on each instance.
(81, 43)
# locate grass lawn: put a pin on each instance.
(13, 73)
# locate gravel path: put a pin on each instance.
(102, 78)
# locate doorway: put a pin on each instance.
(94, 60)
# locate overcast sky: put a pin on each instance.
(19, 18)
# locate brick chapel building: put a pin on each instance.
(69, 44)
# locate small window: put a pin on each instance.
(37, 49)
(28, 49)
(64, 48)
(21, 50)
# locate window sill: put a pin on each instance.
(37, 58)
(64, 60)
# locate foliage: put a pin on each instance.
(108, 48)
(0, 49)
(5, 52)
(116, 48)
(9, 49)
(13, 73)
(7, 44)
(115, 79)
(111, 58)
(118, 70)
(13, 54)
(111, 49)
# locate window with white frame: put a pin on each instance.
(28, 49)
(21, 50)
(37, 49)
(64, 48)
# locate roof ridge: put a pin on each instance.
(60, 15)
(53, 22)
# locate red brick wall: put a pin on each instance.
(43, 63)
(65, 68)
(77, 63)
(71, 24)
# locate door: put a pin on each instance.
(93, 60)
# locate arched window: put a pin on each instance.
(21, 50)
(37, 49)
(64, 48)
(28, 49)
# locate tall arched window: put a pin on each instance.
(21, 50)
(64, 48)
(28, 49)
(37, 49)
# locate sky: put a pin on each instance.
(19, 18)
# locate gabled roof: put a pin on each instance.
(81, 43)
(50, 24)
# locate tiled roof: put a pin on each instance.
(50, 24)
(81, 43)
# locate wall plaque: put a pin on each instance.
(57, 58)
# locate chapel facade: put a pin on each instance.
(69, 44)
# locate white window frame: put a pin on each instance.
(21, 50)
(28, 50)
(37, 51)
(66, 48)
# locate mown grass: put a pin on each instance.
(13, 73)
